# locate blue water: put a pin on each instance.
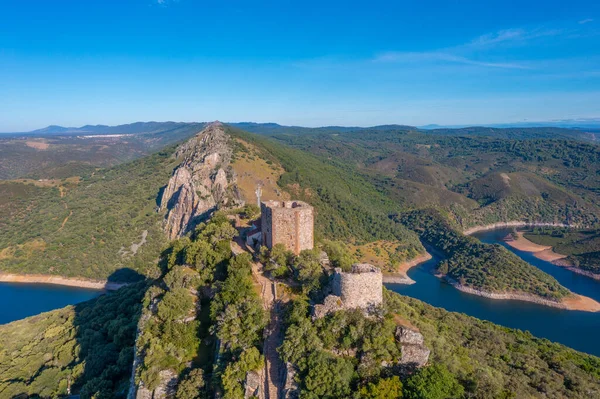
(24, 300)
(576, 329)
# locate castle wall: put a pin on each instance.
(289, 223)
(360, 288)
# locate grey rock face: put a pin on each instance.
(407, 336)
(165, 389)
(414, 352)
(202, 183)
(252, 384)
(291, 390)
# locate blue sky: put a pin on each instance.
(297, 62)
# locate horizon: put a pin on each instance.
(309, 64)
(587, 123)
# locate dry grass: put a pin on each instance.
(37, 144)
(378, 253)
(252, 170)
(24, 250)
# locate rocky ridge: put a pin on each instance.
(202, 183)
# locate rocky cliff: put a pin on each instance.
(202, 183)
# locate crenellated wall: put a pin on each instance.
(289, 223)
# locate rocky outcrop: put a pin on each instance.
(414, 352)
(202, 183)
(166, 388)
(331, 304)
(253, 384)
(291, 390)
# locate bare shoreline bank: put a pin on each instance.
(514, 223)
(57, 280)
(543, 252)
(576, 302)
(547, 253)
(400, 276)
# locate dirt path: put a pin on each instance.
(62, 226)
(273, 336)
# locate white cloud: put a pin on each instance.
(586, 21)
(512, 36)
(477, 51)
(441, 56)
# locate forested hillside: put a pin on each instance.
(90, 227)
(479, 179)
(203, 315)
(87, 348)
(582, 247)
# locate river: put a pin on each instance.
(578, 330)
(24, 300)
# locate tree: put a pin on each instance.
(308, 270)
(235, 373)
(181, 277)
(385, 388)
(338, 254)
(192, 386)
(277, 259)
(175, 304)
(328, 376)
(433, 382)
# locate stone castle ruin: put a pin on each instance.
(289, 223)
(360, 288)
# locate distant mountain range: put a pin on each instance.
(580, 129)
(584, 124)
(131, 128)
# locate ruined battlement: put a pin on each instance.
(289, 223)
(361, 287)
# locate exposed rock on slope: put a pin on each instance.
(202, 183)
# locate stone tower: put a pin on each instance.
(361, 287)
(287, 222)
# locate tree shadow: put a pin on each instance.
(106, 330)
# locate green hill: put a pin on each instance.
(478, 178)
(90, 229)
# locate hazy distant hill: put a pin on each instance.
(130, 128)
(507, 132)
(60, 152)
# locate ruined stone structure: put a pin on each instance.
(360, 288)
(289, 223)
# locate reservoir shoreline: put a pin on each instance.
(574, 302)
(57, 280)
(514, 223)
(400, 276)
(547, 254)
